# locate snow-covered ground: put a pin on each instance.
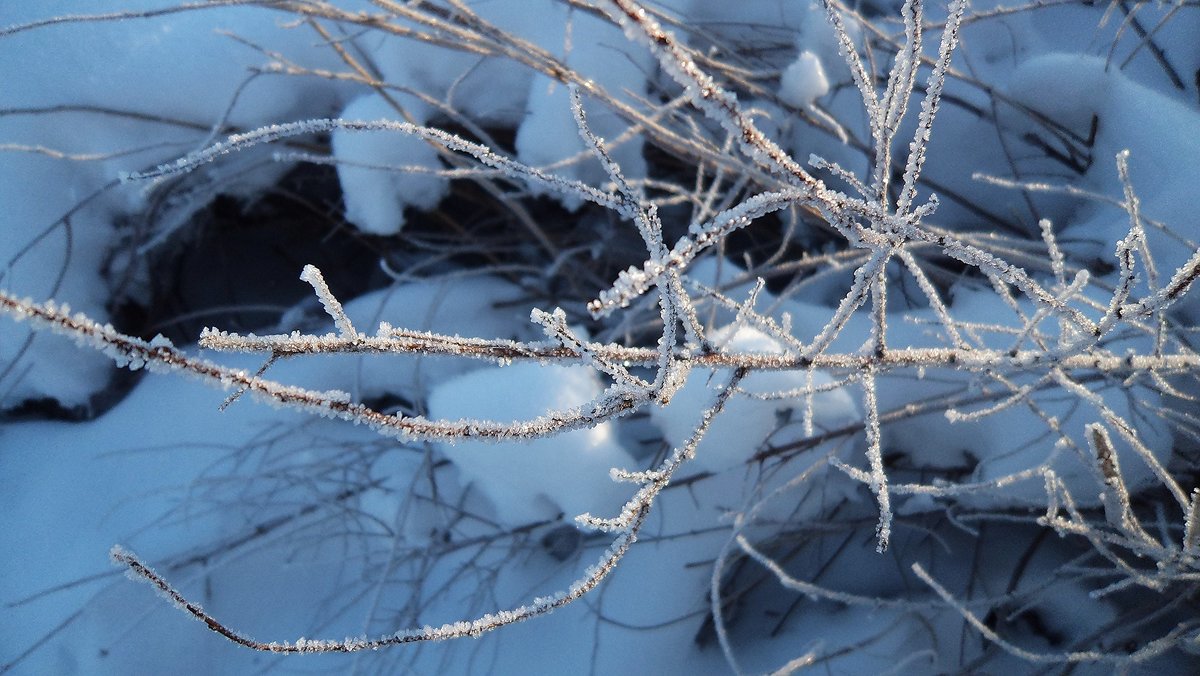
(285, 525)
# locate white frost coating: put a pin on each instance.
(555, 326)
(484, 155)
(1164, 156)
(633, 281)
(929, 106)
(879, 233)
(330, 302)
(804, 81)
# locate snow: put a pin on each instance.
(534, 480)
(104, 65)
(548, 134)
(376, 194)
(287, 525)
(804, 81)
(462, 306)
(68, 499)
(1164, 156)
(748, 423)
(490, 91)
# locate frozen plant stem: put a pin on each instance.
(1070, 330)
(627, 526)
(331, 304)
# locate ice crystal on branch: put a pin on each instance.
(1001, 329)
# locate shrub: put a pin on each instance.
(948, 388)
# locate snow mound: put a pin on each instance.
(804, 81)
(383, 172)
(747, 423)
(534, 480)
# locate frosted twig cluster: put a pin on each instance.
(1067, 331)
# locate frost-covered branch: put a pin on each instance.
(1048, 324)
